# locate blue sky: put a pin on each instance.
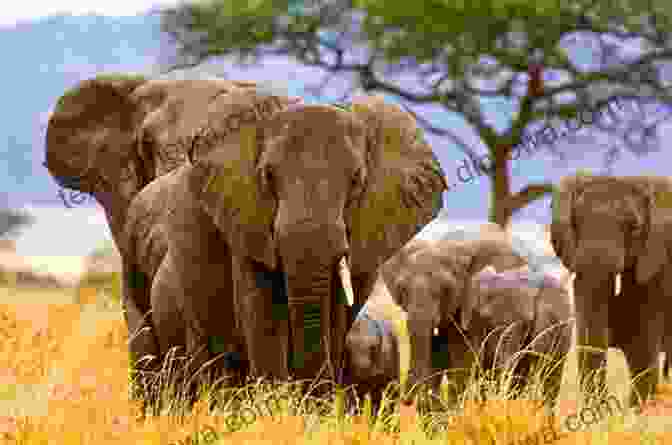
(52, 54)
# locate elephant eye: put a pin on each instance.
(358, 181)
(266, 177)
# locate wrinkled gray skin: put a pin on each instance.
(429, 280)
(249, 234)
(604, 226)
(513, 302)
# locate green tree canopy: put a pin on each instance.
(460, 53)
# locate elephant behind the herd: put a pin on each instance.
(254, 191)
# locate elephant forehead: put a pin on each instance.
(611, 196)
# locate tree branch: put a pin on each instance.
(526, 195)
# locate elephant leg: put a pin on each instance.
(420, 332)
(637, 330)
(593, 292)
(666, 303)
(459, 361)
(263, 317)
(167, 316)
(145, 354)
(206, 302)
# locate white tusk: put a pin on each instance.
(344, 274)
(618, 284)
(436, 331)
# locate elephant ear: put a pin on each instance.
(656, 253)
(563, 237)
(90, 137)
(172, 110)
(404, 184)
(225, 155)
(473, 293)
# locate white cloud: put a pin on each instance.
(29, 10)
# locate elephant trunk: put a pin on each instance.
(312, 262)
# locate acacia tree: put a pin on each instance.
(457, 54)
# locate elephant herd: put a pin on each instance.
(253, 228)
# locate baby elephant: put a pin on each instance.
(531, 313)
(372, 350)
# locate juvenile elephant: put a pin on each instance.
(527, 313)
(262, 215)
(608, 225)
(429, 280)
(372, 348)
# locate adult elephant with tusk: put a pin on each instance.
(608, 225)
(271, 215)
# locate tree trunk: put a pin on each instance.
(500, 212)
(504, 203)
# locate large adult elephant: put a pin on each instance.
(111, 136)
(608, 225)
(265, 211)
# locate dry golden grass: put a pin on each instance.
(64, 379)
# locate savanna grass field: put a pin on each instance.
(64, 379)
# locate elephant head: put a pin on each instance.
(302, 189)
(372, 346)
(613, 223)
(112, 134)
